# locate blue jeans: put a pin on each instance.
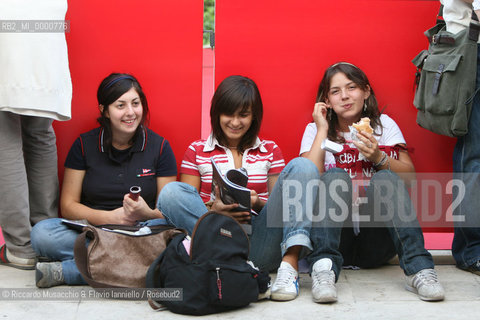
(181, 205)
(388, 217)
(53, 240)
(466, 166)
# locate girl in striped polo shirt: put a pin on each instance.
(236, 115)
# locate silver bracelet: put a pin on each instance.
(382, 161)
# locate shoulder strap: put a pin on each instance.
(152, 279)
(474, 28)
(440, 15)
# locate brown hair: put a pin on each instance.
(232, 94)
(110, 89)
(356, 75)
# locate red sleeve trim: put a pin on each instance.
(146, 138)
(161, 148)
(81, 145)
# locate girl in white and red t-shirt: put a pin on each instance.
(372, 161)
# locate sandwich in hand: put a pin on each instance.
(363, 125)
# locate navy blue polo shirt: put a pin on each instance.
(110, 174)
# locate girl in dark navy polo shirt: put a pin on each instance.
(100, 168)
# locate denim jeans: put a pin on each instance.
(390, 213)
(181, 205)
(53, 240)
(466, 166)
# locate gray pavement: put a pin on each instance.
(363, 294)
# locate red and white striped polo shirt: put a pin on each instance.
(262, 160)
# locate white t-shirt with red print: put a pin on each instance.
(348, 159)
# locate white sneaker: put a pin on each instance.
(323, 281)
(285, 286)
(425, 284)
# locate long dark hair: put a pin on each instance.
(112, 88)
(232, 94)
(356, 75)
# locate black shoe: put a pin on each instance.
(473, 268)
(44, 259)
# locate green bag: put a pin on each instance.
(446, 75)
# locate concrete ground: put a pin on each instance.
(363, 294)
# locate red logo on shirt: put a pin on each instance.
(348, 159)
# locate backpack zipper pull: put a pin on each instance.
(417, 78)
(219, 283)
(438, 77)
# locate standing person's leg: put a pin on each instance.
(181, 205)
(390, 203)
(466, 166)
(15, 208)
(466, 240)
(40, 154)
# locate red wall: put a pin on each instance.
(285, 46)
(159, 42)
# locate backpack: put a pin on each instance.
(215, 276)
(446, 75)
